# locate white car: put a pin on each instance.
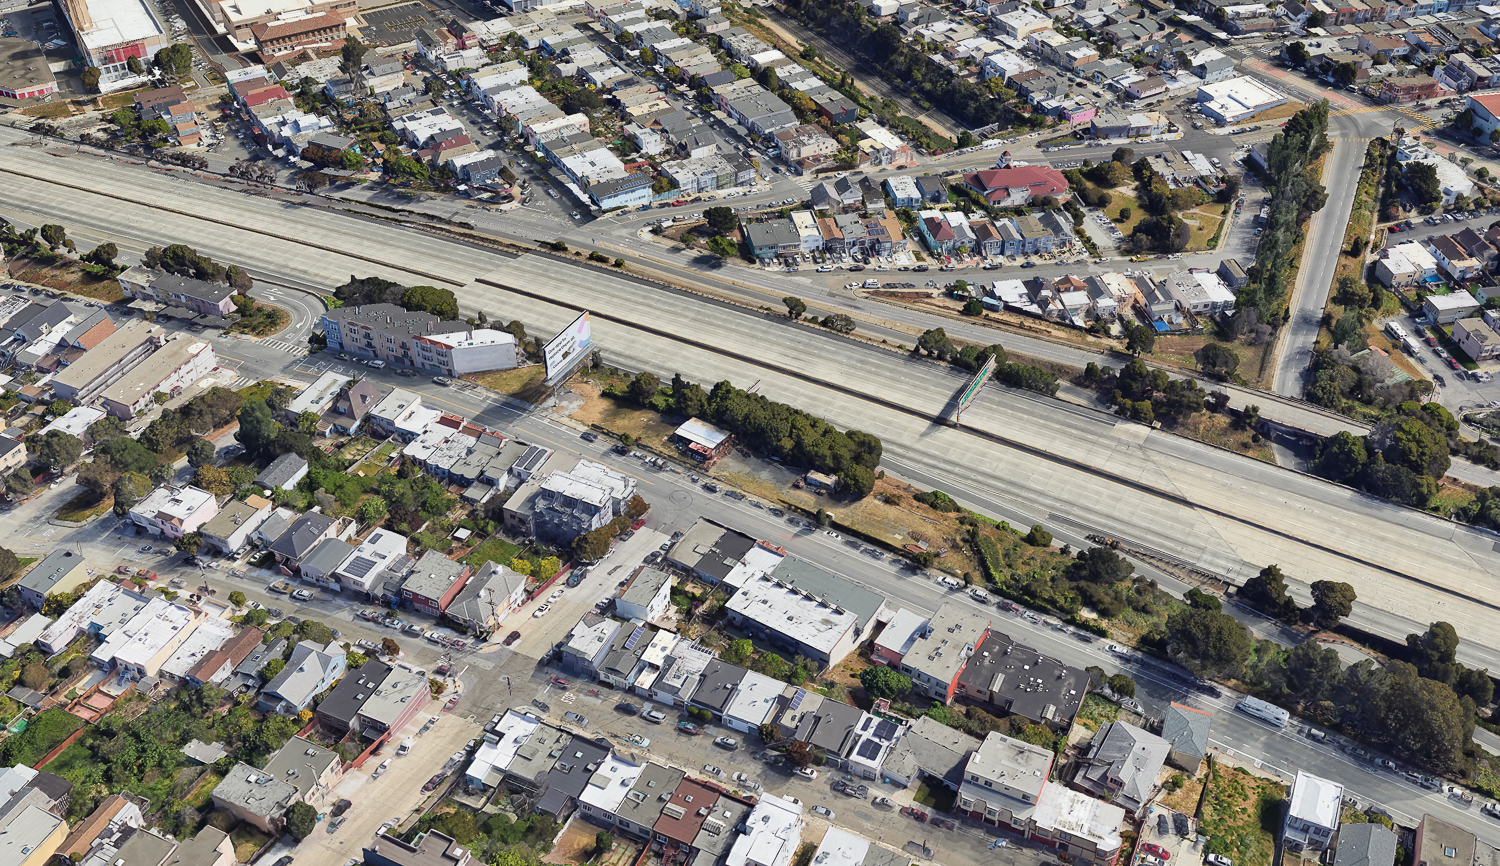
(823, 812)
(541, 611)
(301, 595)
(1117, 649)
(556, 594)
(807, 772)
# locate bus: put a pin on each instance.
(1265, 712)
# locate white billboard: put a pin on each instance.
(564, 352)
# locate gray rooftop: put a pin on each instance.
(433, 574)
(281, 471)
(643, 803)
(45, 574)
(934, 748)
(717, 685)
(301, 763)
(346, 698)
(838, 591)
(255, 791)
(1123, 752)
(1365, 845)
(1186, 729)
(327, 555)
(300, 538)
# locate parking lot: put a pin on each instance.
(1171, 832)
(396, 24)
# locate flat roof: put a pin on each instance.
(798, 614)
(1315, 800)
(901, 631)
(157, 367)
(147, 633)
(118, 21)
(609, 784)
(206, 638)
(99, 359)
(841, 848)
(76, 422)
(23, 66)
(837, 590)
(312, 398)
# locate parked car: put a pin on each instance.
(301, 595)
(512, 638)
(729, 743)
(713, 771)
(823, 812)
(541, 611)
(578, 719)
(638, 741)
(627, 708)
(655, 717)
(370, 645)
(1156, 851)
(434, 782)
(807, 772)
(559, 682)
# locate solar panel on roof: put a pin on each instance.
(868, 749)
(635, 636)
(885, 729)
(797, 698)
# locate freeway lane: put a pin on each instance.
(1092, 469)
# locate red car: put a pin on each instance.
(434, 782)
(559, 682)
(1394, 229)
(1156, 851)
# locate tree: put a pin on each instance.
(1268, 592)
(857, 481)
(795, 307)
(104, 254)
(1039, 537)
(1418, 447)
(1298, 53)
(644, 387)
(738, 652)
(214, 480)
(106, 428)
(54, 235)
(1345, 73)
(301, 820)
(1126, 213)
(191, 542)
(1349, 330)
(372, 510)
(237, 598)
(839, 323)
(881, 681)
(648, 56)
(1343, 459)
(307, 423)
(1217, 359)
(1100, 565)
(428, 299)
(258, 429)
(1421, 178)
(722, 219)
(130, 488)
(1139, 339)
(1208, 642)
(723, 247)
(90, 78)
(1332, 601)
(311, 180)
(200, 452)
(1434, 652)
(1121, 685)
(799, 754)
(935, 342)
(35, 676)
(57, 449)
(175, 59)
(19, 483)
(389, 647)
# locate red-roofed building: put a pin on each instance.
(264, 95)
(1486, 110)
(283, 37)
(1017, 186)
(444, 150)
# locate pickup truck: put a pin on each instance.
(280, 587)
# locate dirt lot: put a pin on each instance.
(65, 276)
(575, 844)
(619, 416)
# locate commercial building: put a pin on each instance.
(415, 339)
(1236, 99)
(61, 572)
(87, 377)
(288, 34)
(172, 512)
(702, 441)
(239, 19)
(1017, 186)
(1312, 815)
(168, 370)
(715, 553)
(24, 71)
(1008, 678)
(110, 32)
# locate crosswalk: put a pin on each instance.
(1416, 120)
(284, 346)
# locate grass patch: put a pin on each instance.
(493, 549)
(1450, 498)
(1118, 201)
(619, 416)
(203, 791)
(124, 99)
(67, 276)
(1206, 219)
(357, 448)
(262, 321)
(247, 840)
(1185, 799)
(523, 383)
(1241, 813)
(26, 561)
(85, 506)
(935, 797)
(1096, 712)
(1220, 430)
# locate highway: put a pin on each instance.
(1227, 514)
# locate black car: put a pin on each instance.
(590, 437)
(434, 782)
(627, 708)
(284, 861)
(1028, 264)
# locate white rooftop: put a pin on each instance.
(755, 698)
(205, 639)
(1060, 809)
(146, 634)
(175, 503)
(117, 22)
(1315, 800)
(76, 422)
(473, 338)
(782, 608)
(841, 848)
(901, 632)
(512, 732)
(607, 788)
(775, 830)
(317, 395)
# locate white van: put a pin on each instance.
(872, 283)
(405, 747)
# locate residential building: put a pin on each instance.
(1185, 730)
(587, 644)
(491, 595)
(1003, 780)
(466, 351)
(752, 703)
(645, 597)
(367, 567)
(1313, 811)
(63, 571)
(942, 649)
(203, 298)
(928, 749)
(310, 671)
(103, 609)
(1121, 765)
(106, 363)
(143, 644)
(1084, 830)
(1404, 265)
(715, 553)
(903, 192)
(774, 828)
(283, 473)
(879, 147)
(897, 637)
(231, 528)
(317, 397)
(1199, 292)
(172, 512)
(30, 834)
(772, 238)
(389, 333)
(1477, 339)
(1008, 678)
(299, 539)
(1485, 109)
(396, 701)
(1232, 274)
(434, 583)
(1112, 123)
(310, 768)
(1372, 845)
(174, 366)
(207, 638)
(1445, 309)
(255, 797)
(1395, 90)
(568, 504)
(217, 666)
(113, 814)
(318, 566)
(353, 403)
(1454, 260)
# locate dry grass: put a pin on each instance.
(67, 276)
(124, 99)
(1243, 810)
(1276, 113)
(523, 383)
(1185, 799)
(1205, 220)
(1451, 496)
(1220, 430)
(51, 110)
(1179, 351)
(1121, 198)
(620, 416)
(87, 504)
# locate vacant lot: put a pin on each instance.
(1241, 813)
